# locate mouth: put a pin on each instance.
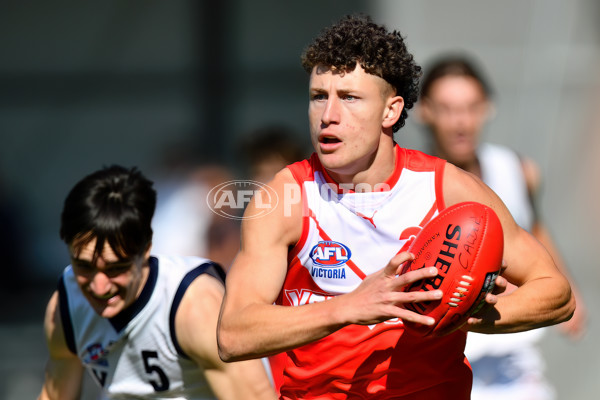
(329, 143)
(104, 298)
(328, 139)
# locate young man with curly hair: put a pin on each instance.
(319, 275)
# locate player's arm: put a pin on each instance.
(251, 326)
(196, 325)
(543, 296)
(576, 326)
(63, 370)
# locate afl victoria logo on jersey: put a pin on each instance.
(329, 259)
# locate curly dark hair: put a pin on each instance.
(357, 39)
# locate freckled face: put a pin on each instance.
(110, 285)
(346, 112)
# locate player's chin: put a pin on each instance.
(110, 311)
(107, 308)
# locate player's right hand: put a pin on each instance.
(380, 296)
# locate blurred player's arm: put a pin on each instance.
(196, 325)
(543, 296)
(63, 370)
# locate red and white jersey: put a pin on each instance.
(346, 236)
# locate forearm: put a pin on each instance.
(537, 303)
(260, 330)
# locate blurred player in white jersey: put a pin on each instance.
(144, 326)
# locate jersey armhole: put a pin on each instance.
(302, 171)
(65, 316)
(211, 268)
(439, 183)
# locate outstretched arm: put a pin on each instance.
(63, 369)
(543, 296)
(251, 326)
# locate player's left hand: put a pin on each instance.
(488, 314)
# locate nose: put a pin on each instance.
(331, 112)
(100, 284)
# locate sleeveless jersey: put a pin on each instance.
(136, 354)
(346, 236)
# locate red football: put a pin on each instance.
(465, 242)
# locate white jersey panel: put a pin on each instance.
(138, 358)
(369, 219)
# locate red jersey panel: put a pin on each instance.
(346, 236)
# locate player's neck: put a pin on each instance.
(375, 173)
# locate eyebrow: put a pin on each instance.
(108, 264)
(340, 91)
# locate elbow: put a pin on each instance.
(566, 307)
(226, 353)
(228, 347)
(569, 307)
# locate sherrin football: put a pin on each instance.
(465, 242)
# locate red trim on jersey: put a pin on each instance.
(325, 236)
(419, 162)
(301, 171)
(429, 215)
(440, 166)
(386, 186)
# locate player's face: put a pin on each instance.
(109, 284)
(346, 112)
(456, 110)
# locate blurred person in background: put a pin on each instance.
(184, 223)
(456, 103)
(268, 149)
(143, 326)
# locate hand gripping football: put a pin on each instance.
(465, 242)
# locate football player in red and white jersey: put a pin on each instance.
(340, 320)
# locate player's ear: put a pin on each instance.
(393, 110)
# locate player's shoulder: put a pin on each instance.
(460, 185)
(53, 329)
(278, 200)
(197, 313)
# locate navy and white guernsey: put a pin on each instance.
(136, 353)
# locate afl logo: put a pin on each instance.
(229, 199)
(330, 254)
